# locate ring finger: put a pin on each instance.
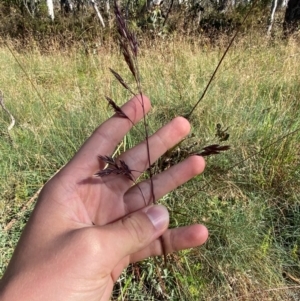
(141, 194)
(165, 138)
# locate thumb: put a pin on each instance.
(136, 230)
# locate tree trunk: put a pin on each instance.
(50, 9)
(273, 10)
(66, 6)
(107, 7)
(97, 12)
(284, 3)
(292, 17)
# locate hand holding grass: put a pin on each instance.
(85, 230)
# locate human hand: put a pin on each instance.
(85, 230)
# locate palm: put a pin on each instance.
(109, 198)
(102, 200)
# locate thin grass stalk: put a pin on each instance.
(29, 79)
(129, 48)
(221, 60)
(251, 156)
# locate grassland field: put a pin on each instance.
(248, 197)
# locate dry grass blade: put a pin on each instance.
(127, 40)
(222, 133)
(213, 149)
(128, 58)
(13, 121)
(124, 33)
(116, 108)
(107, 160)
(129, 48)
(121, 81)
(117, 168)
(125, 167)
(114, 168)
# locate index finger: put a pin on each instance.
(106, 137)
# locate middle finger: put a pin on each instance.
(165, 138)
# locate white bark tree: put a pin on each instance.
(97, 12)
(276, 4)
(272, 17)
(50, 9)
(107, 7)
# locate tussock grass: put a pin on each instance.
(251, 210)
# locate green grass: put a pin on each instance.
(252, 210)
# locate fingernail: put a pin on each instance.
(158, 215)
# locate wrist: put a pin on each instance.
(7, 290)
(20, 287)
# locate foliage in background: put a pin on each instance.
(208, 20)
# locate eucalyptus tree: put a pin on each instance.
(50, 7)
(276, 4)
